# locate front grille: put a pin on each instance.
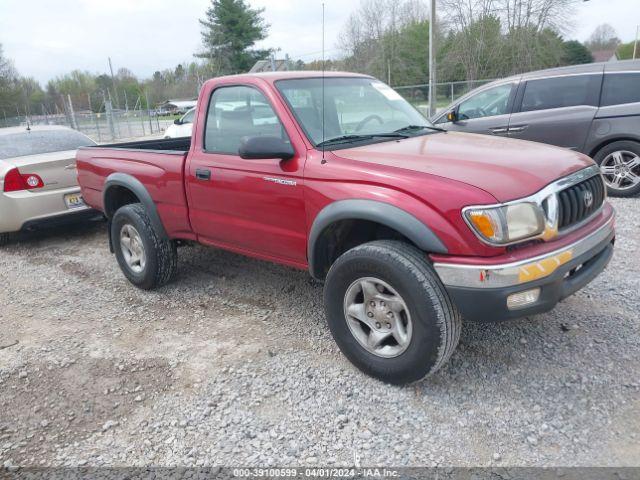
(573, 202)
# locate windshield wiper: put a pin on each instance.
(354, 137)
(410, 128)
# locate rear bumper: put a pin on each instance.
(481, 293)
(27, 209)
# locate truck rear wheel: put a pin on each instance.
(4, 239)
(147, 260)
(389, 313)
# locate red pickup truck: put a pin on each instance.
(411, 228)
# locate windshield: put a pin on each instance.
(35, 142)
(359, 108)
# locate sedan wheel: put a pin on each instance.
(621, 170)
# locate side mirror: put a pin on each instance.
(256, 148)
(452, 116)
(177, 121)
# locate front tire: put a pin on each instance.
(620, 166)
(389, 313)
(147, 260)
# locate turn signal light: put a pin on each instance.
(14, 181)
(484, 223)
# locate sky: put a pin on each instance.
(46, 39)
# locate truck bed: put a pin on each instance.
(157, 164)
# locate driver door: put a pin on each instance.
(253, 207)
(486, 112)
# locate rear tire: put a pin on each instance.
(4, 239)
(620, 166)
(147, 260)
(429, 325)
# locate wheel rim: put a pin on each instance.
(132, 248)
(621, 170)
(378, 317)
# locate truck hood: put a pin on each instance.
(506, 168)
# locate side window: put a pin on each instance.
(235, 113)
(620, 88)
(488, 103)
(561, 92)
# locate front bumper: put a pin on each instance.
(26, 209)
(481, 292)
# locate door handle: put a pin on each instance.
(203, 174)
(517, 129)
(499, 130)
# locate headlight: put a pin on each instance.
(506, 224)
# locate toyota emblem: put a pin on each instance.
(587, 198)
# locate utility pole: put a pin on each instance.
(72, 114)
(635, 43)
(113, 81)
(432, 60)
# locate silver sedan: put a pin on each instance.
(38, 184)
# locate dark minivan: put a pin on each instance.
(593, 109)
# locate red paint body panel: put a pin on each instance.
(431, 177)
(506, 168)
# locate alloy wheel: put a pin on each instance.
(378, 317)
(621, 170)
(132, 248)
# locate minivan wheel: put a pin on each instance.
(147, 260)
(389, 313)
(620, 166)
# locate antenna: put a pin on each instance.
(323, 68)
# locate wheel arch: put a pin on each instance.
(381, 220)
(594, 150)
(122, 189)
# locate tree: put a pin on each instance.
(377, 35)
(604, 37)
(576, 53)
(625, 51)
(8, 79)
(229, 30)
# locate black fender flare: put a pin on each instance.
(139, 190)
(383, 213)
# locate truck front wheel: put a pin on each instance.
(389, 313)
(147, 260)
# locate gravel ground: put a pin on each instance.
(233, 364)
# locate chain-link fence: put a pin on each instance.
(111, 124)
(107, 125)
(445, 93)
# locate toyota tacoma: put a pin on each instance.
(410, 228)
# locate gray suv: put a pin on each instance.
(594, 109)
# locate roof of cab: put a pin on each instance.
(274, 76)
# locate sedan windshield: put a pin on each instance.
(355, 110)
(34, 142)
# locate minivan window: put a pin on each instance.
(559, 92)
(620, 88)
(489, 103)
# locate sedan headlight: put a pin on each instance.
(506, 224)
